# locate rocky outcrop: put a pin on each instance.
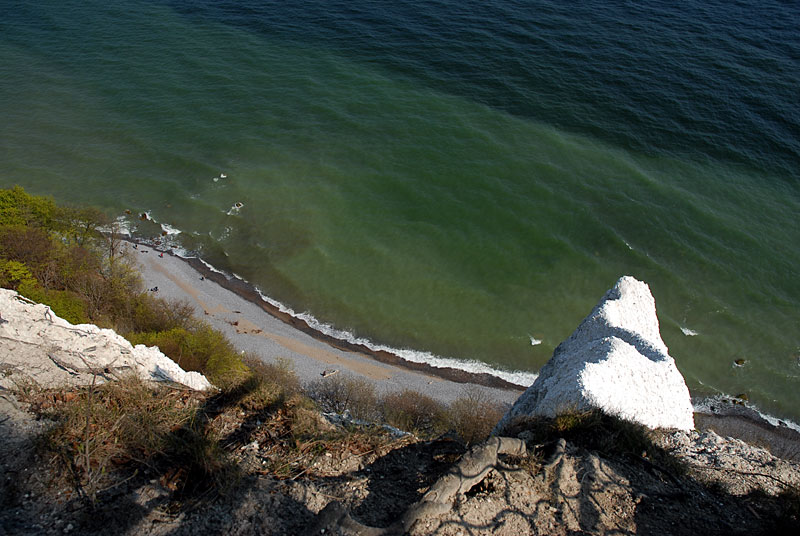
(37, 344)
(615, 361)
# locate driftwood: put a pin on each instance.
(472, 469)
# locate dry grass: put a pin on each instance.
(126, 423)
(190, 441)
(473, 415)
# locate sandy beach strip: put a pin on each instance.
(255, 327)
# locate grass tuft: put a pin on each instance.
(103, 427)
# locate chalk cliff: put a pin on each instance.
(38, 344)
(615, 361)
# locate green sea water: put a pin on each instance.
(402, 208)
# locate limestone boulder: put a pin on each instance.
(615, 361)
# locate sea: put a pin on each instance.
(458, 181)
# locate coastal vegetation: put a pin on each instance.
(332, 441)
(74, 261)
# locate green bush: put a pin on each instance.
(199, 348)
(14, 274)
(18, 207)
(64, 303)
(415, 412)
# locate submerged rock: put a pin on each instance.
(615, 361)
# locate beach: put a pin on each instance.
(255, 327)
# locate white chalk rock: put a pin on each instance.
(38, 344)
(615, 361)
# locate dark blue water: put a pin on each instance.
(702, 79)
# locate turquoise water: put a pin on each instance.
(457, 179)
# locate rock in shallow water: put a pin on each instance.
(615, 361)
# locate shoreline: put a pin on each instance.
(258, 326)
(254, 325)
(249, 293)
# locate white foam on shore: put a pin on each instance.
(121, 226)
(210, 267)
(169, 229)
(705, 406)
(517, 377)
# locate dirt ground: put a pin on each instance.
(716, 486)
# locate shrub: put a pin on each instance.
(274, 383)
(199, 348)
(35, 248)
(415, 412)
(17, 207)
(338, 394)
(149, 313)
(14, 274)
(64, 303)
(473, 415)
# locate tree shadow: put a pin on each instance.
(612, 480)
(192, 481)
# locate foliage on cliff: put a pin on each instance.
(72, 259)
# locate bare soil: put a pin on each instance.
(715, 486)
